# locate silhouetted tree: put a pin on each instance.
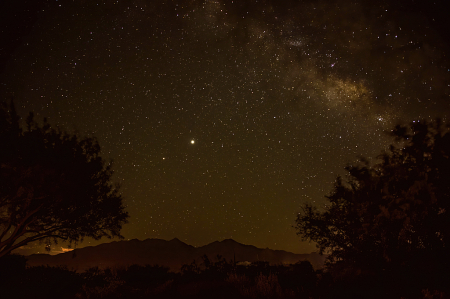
(392, 217)
(53, 185)
(191, 269)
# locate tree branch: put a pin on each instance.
(20, 229)
(6, 230)
(11, 247)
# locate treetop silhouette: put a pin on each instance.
(53, 185)
(391, 215)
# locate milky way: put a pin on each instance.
(223, 117)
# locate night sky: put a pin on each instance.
(224, 117)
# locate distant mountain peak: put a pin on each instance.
(177, 241)
(230, 242)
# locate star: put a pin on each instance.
(282, 97)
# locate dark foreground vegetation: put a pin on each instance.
(206, 279)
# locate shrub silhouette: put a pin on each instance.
(145, 276)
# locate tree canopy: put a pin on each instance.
(394, 214)
(53, 185)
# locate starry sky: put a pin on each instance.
(224, 117)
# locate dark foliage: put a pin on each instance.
(388, 227)
(53, 185)
(17, 281)
(137, 276)
(214, 279)
(218, 269)
(301, 278)
(12, 268)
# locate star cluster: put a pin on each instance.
(223, 117)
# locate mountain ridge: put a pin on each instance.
(173, 254)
